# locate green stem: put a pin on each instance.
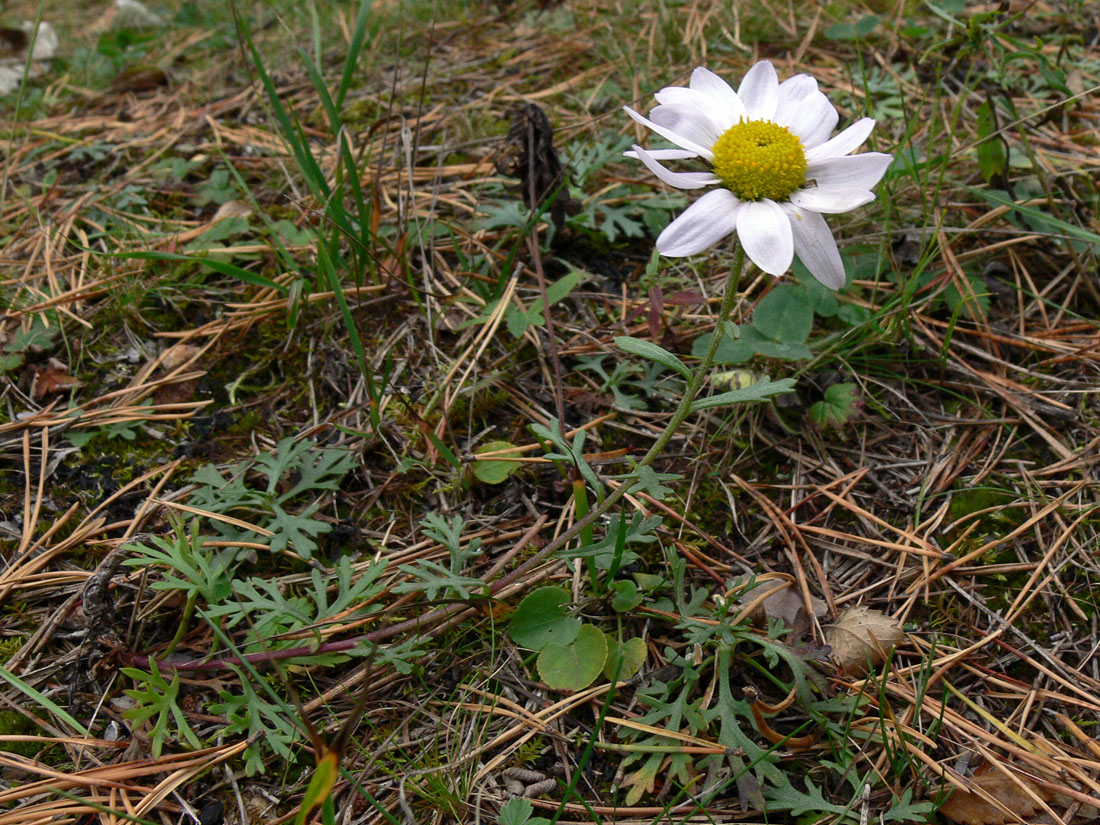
(185, 620)
(698, 378)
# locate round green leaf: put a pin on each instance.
(785, 314)
(628, 657)
(626, 596)
(495, 472)
(540, 620)
(575, 666)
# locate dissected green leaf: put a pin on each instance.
(36, 338)
(517, 811)
(248, 714)
(574, 666)
(540, 620)
(156, 697)
(786, 797)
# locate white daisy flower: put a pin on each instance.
(774, 166)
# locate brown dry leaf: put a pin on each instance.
(861, 638)
(232, 209)
(54, 378)
(178, 355)
(785, 604)
(968, 808)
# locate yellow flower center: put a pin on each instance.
(759, 159)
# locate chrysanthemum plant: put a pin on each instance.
(772, 172)
(773, 169)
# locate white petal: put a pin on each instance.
(683, 96)
(663, 154)
(687, 121)
(844, 143)
(831, 200)
(669, 134)
(728, 108)
(794, 89)
(759, 91)
(703, 224)
(765, 232)
(812, 118)
(815, 247)
(681, 180)
(854, 171)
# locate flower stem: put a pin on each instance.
(698, 377)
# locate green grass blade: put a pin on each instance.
(44, 701)
(232, 270)
(1070, 229)
(355, 48)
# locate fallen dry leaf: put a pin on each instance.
(861, 638)
(232, 209)
(968, 808)
(54, 378)
(178, 355)
(786, 605)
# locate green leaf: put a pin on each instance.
(78, 438)
(853, 315)
(291, 234)
(751, 342)
(822, 299)
(540, 620)
(760, 391)
(574, 666)
(221, 231)
(906, 810)
(785, 314)
(852, 31)
(838, 407)
(10, 361)
(518, 320)
(789, 798)
(36, 338)
(158, 698)
(435, 578)
(248, 714)
(295, 531)
(652, 352)
(649, 480)
(973, 302)
(626, 596)
(517, 811)
(628, 657)
(495, 471)
(992, 157)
